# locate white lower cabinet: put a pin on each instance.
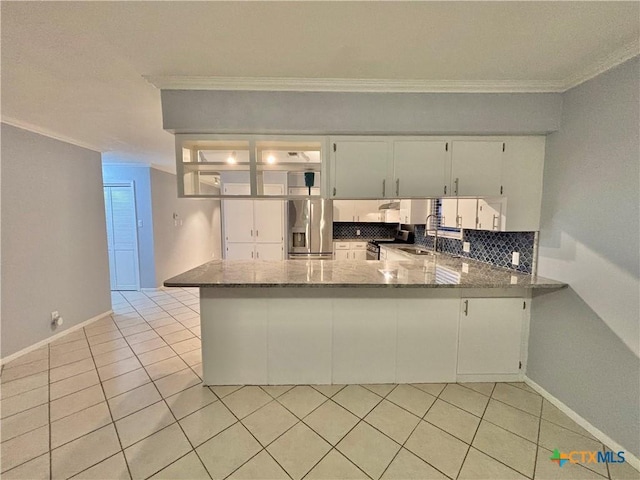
(490, 337)
(349, 250)
(254, 251)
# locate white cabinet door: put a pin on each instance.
(476, 168)
(268, 221)
(344, 211)
(467, 213)
(360, 169)
(489, 214)
(358, 254)
(490, 335)
(405, 211)
(239, 251)
(341, 254)
(367, 211)
(419, 168)
(449, 212)
(269, 251)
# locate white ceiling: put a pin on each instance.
(76, 70)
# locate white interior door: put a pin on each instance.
(122, 237)
(419, 168)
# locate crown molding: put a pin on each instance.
(604, 63)
(48, 133)
(177, 82)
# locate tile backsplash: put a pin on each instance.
(495, 248)
(343, 230)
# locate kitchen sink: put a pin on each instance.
(416, 251)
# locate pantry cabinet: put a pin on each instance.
(490, 335)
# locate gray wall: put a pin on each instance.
(195, 241)
(583, 345)
(54, 241)
(141, 177)
(197, 111)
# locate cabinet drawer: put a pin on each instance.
(341, 246)
(358, 245)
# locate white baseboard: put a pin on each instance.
(603, 437)
(48, 340)
(507, 377)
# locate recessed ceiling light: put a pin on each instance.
(231, 158)
(271, 159)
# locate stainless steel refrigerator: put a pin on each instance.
(310, 229)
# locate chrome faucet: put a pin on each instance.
(434, 230)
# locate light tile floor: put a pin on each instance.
(122, 398)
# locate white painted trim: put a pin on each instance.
(53, 338)
(603, 437)
(603, 64)
(176, 82)
(48, 133)
(489, 377)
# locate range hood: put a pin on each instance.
(390, 206)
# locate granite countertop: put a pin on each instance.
(361, 239)
(431, 272)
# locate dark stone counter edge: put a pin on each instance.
(169, 283)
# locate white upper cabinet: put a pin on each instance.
(419, 168)
(357, 211)
(490, 214)
(476, 167)
(414, 211)
(359, 168)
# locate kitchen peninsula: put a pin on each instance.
(439, 319)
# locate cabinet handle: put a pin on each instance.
(384, 187)
(458, 221)
(455, 190)
(466, 307)
(251, 254)
(334, 191)
(251, 233)
(493, 224)
(445, 189)
(397, 187)
(257, 254)
(257, 233)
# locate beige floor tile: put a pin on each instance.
(84, 452)
(393, 421)
(69, 337)
(24, 401)
(124, 383)
(73, 384)
(478, 466)
(434, 389)
(369, 449)
(143, 423)
(63, 358)
(192, 358)
(523, 386)
(408, 466)
(207, 422)
(439, 449)
(262, 466)
(100, 327)
(119, 368)
(24, 422)
(336, 466)
(24, 370)
(154, 356)
(191, 322)
(553, 436)
(176, 382)
(484, 388)
(148, 345)
(79, 424)
(298, 450)
(169, 328)
(62, 345)
(23, 448)
(196, 331)
(156, 452)
(157, 320)
(382, 389)
(246, 401)
(302, 400)
(71, 369)
(178, 336)
(464, 398)
(453, 420)
(190, 400)
(358, 400)
(269, 422)
(113, 468)
(412, 399)
(41, 353)
(165, 367)
(328, 390)
(133, 400)
(188, 467)
(112, 356)
(198, 370)
(276, 390)
(331, 421)
(104, 337)
(187, 345)
(516, 397)
(24, 384)
(622, 471)
(36, 469)
(141, 337)
(513, 419)
(227, 451)
(133, 329)
(552, 414)
(76, 401)
(508, 448)
(548, 470)
(222, 391)
(108, 346)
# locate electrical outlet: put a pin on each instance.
(515, 258)
(466, 247)
(56, 319)
(358, 232)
